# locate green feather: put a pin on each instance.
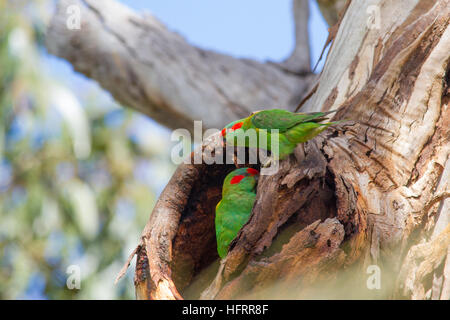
(283, 119)
(233, 211)
(293, 128)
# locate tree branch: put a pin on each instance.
(358, 180)
(299, 61)
(347, 197)
(153, 70)
(331, 9)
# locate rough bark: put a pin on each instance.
(386, 173)
(370, 192)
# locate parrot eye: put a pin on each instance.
(236, 126)
(236, 179)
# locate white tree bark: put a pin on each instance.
(372, 192)
(153, 70)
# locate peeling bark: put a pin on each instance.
(372, 191)
(380, 181)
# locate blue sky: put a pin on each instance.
(258, 29)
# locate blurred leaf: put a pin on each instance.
(78, 174)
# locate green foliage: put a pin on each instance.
(77, 179)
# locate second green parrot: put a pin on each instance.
(293, 128)
(233, 211)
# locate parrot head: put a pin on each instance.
(233, 126)
(242, 179)
(244, 124)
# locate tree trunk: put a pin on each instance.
(368, 196)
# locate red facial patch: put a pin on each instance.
(237, 179)
(224, 132)
(236, 126)
(252, 171)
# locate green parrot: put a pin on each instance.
(293, 128)
(233, 211)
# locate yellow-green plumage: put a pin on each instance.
(233, 211)
(293, 128)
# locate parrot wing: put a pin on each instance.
(283, 119)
